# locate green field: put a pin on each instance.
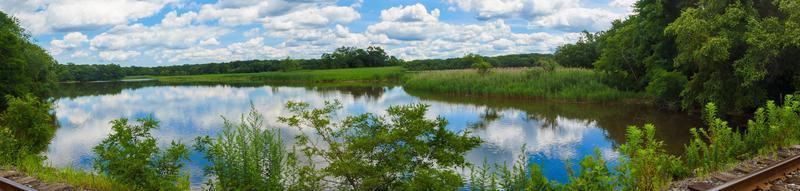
(565, 84)
(378, 74)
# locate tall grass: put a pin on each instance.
(301, 76)
(564, 83)
(245, 156)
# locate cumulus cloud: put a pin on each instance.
(140, 37)
(79, 15)
(79, 54)
(225, 30)
(578, 19)
(411, 13)
(118, 55)
(566, 15)
(69, 42)
(313, 18)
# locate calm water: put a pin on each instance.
(552, 132)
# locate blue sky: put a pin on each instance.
(172, 32)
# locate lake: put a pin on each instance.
(551, 132)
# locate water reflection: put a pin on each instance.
(551, 132)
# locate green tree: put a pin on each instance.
(478, 63)
(743, 52)
(400, 151)
(582, 54)
(130, 154)
(26, 127)
(24, 67)
(289, 64)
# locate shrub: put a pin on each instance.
(666, 87)
(514, 178)
(26, 127)
(130, 155)
(30, 121)
(646, 165)
(716, 147)
(483, 67)
(244, 156)
(548, 64)
(774, 126)
(400, 151)
(594, 174)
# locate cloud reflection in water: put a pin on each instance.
(186, 112)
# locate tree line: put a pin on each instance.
(513, 60)
(344, 57)
(736, 53)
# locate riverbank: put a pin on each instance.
(34, 173)
(568, 84)
(376, 74)
(563, 84)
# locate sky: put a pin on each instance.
(174, 32)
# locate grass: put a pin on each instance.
(377, 74)
(563, 83)
(79, 179)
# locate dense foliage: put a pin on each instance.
(400, 151)
(131, 155)
(514, 60)
(582, 54)
(24, 67)
(736, 53)
(84, 73)
(352, 57)
(26, 128)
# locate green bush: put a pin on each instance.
(666, 87)
(520, 176)
(774, 126)
(26, 127)
(245, 156)
(401, 151)
(594, 174)
(483, 67)
(715, 148)
(646, 165)
(130, 155)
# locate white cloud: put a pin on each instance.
(623, 3)
(79, 54)
(79, 15)
(139, 36)
(313, 18)
(118, 55)
(70, 42)
(577, 19)
(172, 19)
(565, 15)
(209, 42)
(411, 13)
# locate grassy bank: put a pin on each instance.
(79, 179)
(566, 84)
(377, 74)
